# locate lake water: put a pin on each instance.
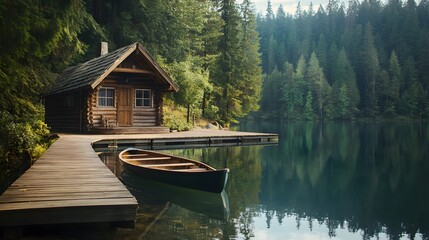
(333, 180)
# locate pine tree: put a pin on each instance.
(345, 80)
(227, 76)
(308, 111)
(38, 38)
(392, 88)
(272, 93)
(370, 70)
(322, 52)
(343, 107)
(286, 91)
(266, 32)
(354, 47)
(211, 33)
(298, 91)
(319, 87)
(251, 70)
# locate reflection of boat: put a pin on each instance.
(174, 170)
(214, 205)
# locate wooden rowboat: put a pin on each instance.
(174, 170)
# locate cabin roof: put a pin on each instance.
(90, 74)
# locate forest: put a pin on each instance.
(368, 59)
(209, 47)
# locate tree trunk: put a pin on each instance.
(203, 106)
(188, 113)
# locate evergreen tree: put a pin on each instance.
(211, 33)
(266, 32)
(308, 112)
(286, 96)
(297, 91)
(319, 87)
(322, 52)
(280, 34)
(345, 80)
(354, 47)
(343, 107)
(226, 76)
(251, 70)
(370, 69)
(38, 38)
(272, 94)
(390, 88)
(332, 57)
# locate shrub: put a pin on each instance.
(175, 119)
(20, 144)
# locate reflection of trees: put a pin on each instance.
(371, 176)
(245, 165)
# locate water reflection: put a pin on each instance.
(368, 177)
(214, 205)
(324, 180)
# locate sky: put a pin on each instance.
(288, 5)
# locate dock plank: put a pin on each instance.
(68, 184)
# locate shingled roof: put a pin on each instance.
(91, 73)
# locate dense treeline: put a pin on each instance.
(369, 59)
(209, 47)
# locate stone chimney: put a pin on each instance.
(104, 48)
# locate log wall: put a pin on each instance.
(106, 117)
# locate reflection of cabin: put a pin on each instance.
(121, 91)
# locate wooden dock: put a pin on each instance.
(70, 184)
(199, 138)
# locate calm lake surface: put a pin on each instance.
(332, 180)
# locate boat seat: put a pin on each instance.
(192, 170)
(169, 165)
(149, 158)
(137, 155)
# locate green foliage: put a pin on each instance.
(22, 140)
(193, 81)
(20, 144)
(175, 119)
(198, 40)
(352, 47)
(236, 75)
(308, 112)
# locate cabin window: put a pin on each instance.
(143, 98)
(106, 97)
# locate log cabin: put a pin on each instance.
(117, 92)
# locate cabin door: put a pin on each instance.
(124, 107)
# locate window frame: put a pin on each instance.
(106, 97)
(143, 98)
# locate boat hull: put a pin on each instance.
(211, 181)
